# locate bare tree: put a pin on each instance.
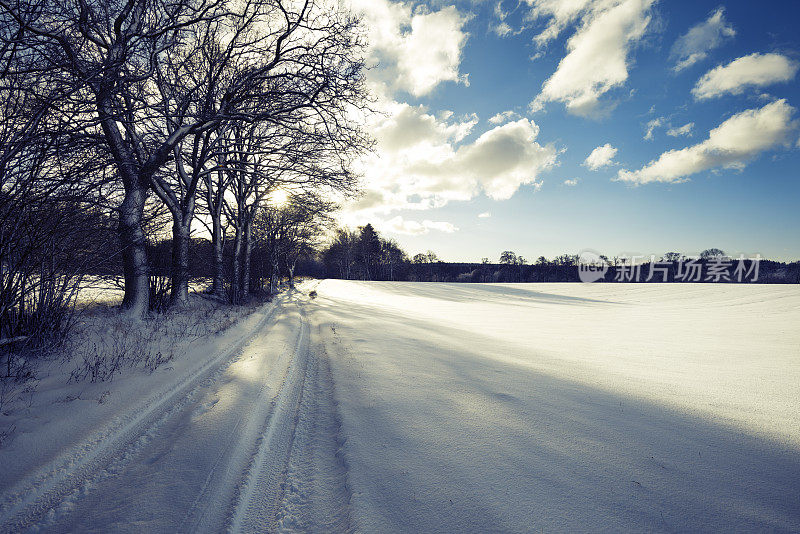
(279, 57)
(508, 257)
(392, 257)
(109, 51)
(216, 186)
(251, 181)
(308, 138)
(296, 230)
(50, 237)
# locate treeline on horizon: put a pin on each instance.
(363, 254)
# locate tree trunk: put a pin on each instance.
(134, 250)
(218, 244)
(135, 265)
(272, 274)
(273, 285)
(180, 262)
(248, 246)
(237, 266)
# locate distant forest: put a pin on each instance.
(363, 254)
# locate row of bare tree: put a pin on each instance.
(201, 107)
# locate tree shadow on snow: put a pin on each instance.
(466, 292)
(463, 440)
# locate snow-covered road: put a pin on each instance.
(402, 407)
(246, 441)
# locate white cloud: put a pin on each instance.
(499, 11)
(504, 116)
(658, 122)
(755, 70)
(422, 162)
(572, 182)
(730, 146)
(602, 156)
(497, 163)
(407, 126)
(686, 129)
(502, 29)
(597, 54)
(414, 49)
(484, 215)
(694, 45)
(399, 225)
(559, 13)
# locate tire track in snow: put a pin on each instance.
(281, 457)
(297, 478)
(316, 494)
(52, 490)
(245, 441)
(259, 495)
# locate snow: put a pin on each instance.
(109, 290)
(71, 428)
(420, 407)
(563, 407)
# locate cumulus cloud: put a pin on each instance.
(484, 215)
(602, 156)
(597, 59)
(497, 163)
(730, 146)
(432, 165)
(686, 129)
(407, 126)
(504, 116)
(755, 70)
(422, 160)
(694, 45)
(506, 158)
(573, 182)
(415, 49)
(399, 225)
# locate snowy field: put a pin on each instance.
(96, 290)
(419, 407)
(568, 407)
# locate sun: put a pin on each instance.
(279, 197)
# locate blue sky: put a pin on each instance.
(490, 111)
